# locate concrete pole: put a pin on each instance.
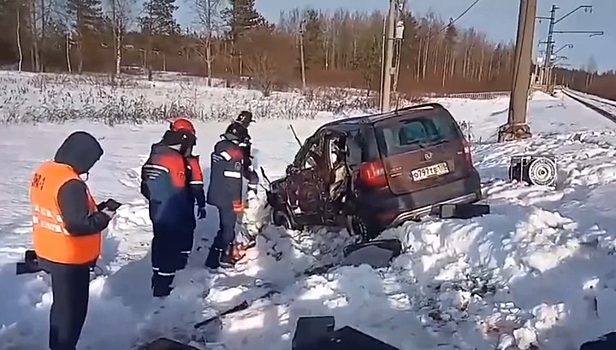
(302, 55)
(517, 127)
(384, 38)
(389, 57)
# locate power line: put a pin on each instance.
(453, 21)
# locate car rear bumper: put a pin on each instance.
(390, 211)
(423, 211)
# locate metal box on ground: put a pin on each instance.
(347, 338)
(308, 330)
(533, 169)
(167, 344)
(606, 342)
(461, 211)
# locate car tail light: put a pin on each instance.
(373, 174)
(467, 152)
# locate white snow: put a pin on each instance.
(529, 273)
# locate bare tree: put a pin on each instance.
(210, 22)
(18, 32)
(121, 14)
(264, 60)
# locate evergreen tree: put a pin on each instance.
(86, 18)
(158, 18)
(410, 50)
(242, 16)
(313, 38)
(85, 15)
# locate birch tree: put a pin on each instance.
(210, 23)
(121, 15)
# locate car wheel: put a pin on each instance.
(358, 228)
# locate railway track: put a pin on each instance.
(595, 98)
(608, 110)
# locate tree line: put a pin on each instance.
(230, 39)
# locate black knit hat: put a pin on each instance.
(174, 138)
(245, 118)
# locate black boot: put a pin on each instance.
(227, 260)
(213, 258)
(161, 285)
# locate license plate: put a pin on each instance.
(430, 171)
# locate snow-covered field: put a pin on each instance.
(528, 272)
(26, 97)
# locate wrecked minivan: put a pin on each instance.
(374, 172)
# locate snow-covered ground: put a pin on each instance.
(27, 97)
(530, 269)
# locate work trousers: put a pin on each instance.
(70, 285)
(227, 219)
(171, 247)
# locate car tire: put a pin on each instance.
(358, 228)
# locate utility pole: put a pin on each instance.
(389, 58)
(548, 62)
(383, 50)
(302, 59)
(517, 127)
(114, 26)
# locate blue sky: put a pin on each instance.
(496, 18)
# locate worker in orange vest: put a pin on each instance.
(67, 225)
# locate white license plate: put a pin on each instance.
(430, 171)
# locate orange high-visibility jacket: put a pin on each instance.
(51, 239)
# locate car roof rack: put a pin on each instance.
(372, 118)
(433, 105)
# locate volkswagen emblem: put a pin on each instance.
(427, 156)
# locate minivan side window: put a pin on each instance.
(364, 139)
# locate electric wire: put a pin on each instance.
(453, 21)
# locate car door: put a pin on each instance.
(306, 183)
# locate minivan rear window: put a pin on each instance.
(409, 133)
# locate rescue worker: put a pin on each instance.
(243, 121)
(164, 183)
(225, 193)
(67, 225)
(194, 177)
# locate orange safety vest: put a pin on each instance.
(51, 240)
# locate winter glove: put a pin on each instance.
(201, 213)
(238, 207)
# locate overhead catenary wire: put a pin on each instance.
(454, 20)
